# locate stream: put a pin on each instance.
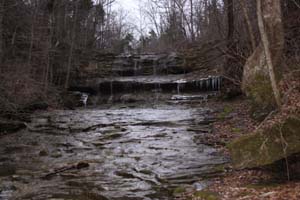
(134, 153)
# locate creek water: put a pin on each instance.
(134, 153)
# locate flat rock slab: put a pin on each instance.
(10, 126)
(170, 83)
(265, 147)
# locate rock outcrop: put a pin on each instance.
(115, 76)
(267, 146)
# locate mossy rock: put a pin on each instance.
(261, 95)
(207, 195)
(261, 90)
(265, 147)
(179, 190)
(257, 85)
(226, 111)
(220, 168)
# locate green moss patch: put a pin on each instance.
(236, 130)
(220, 168)
(226, 111)
(178, 190)
(261, 91)
(207, 195)
(265, 147)
(261, 96)
(259, 186)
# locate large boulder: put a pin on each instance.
(256, 83)
(267, 146)
(256, 78)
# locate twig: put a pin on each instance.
(267, 118)
(284, 148)
(78, 166)
(295, 2)
(235, 82)
(286, 94)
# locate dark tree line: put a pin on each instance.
(231, 24)
(42, 41)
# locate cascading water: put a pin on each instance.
(180, 84)
(134, 151)
(152, 74)
(111, 88)
(212, 83)
(165, 67)
(154, 67)
(84, 99)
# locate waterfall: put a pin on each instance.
(165, 66)
(111, 88)
(178, 88)
(154, 67)
(84, 97)
(201, 84)
(208, 83)
(205, 98)
(136, 63)
(212, 83)
(180, 83)
(159, 87)
(157, 91)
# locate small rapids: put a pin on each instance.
(134, 153)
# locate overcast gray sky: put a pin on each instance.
(133, 13)
(132, 6)
(128, 4)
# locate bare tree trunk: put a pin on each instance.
(183, 16)
(72, 47)
(32, 35)
(206, 18)
(276, 15)
(1, 29)
(192, 20)
(49, 51)
(249, 26)
(231, 68)
(230, 19)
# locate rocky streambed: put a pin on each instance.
(113, 152)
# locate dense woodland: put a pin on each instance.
(42, 41)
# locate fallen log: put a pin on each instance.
(78, 166)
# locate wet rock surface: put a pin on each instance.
(166, 83)
(9, 126)
(139, 152)
(149, 64)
